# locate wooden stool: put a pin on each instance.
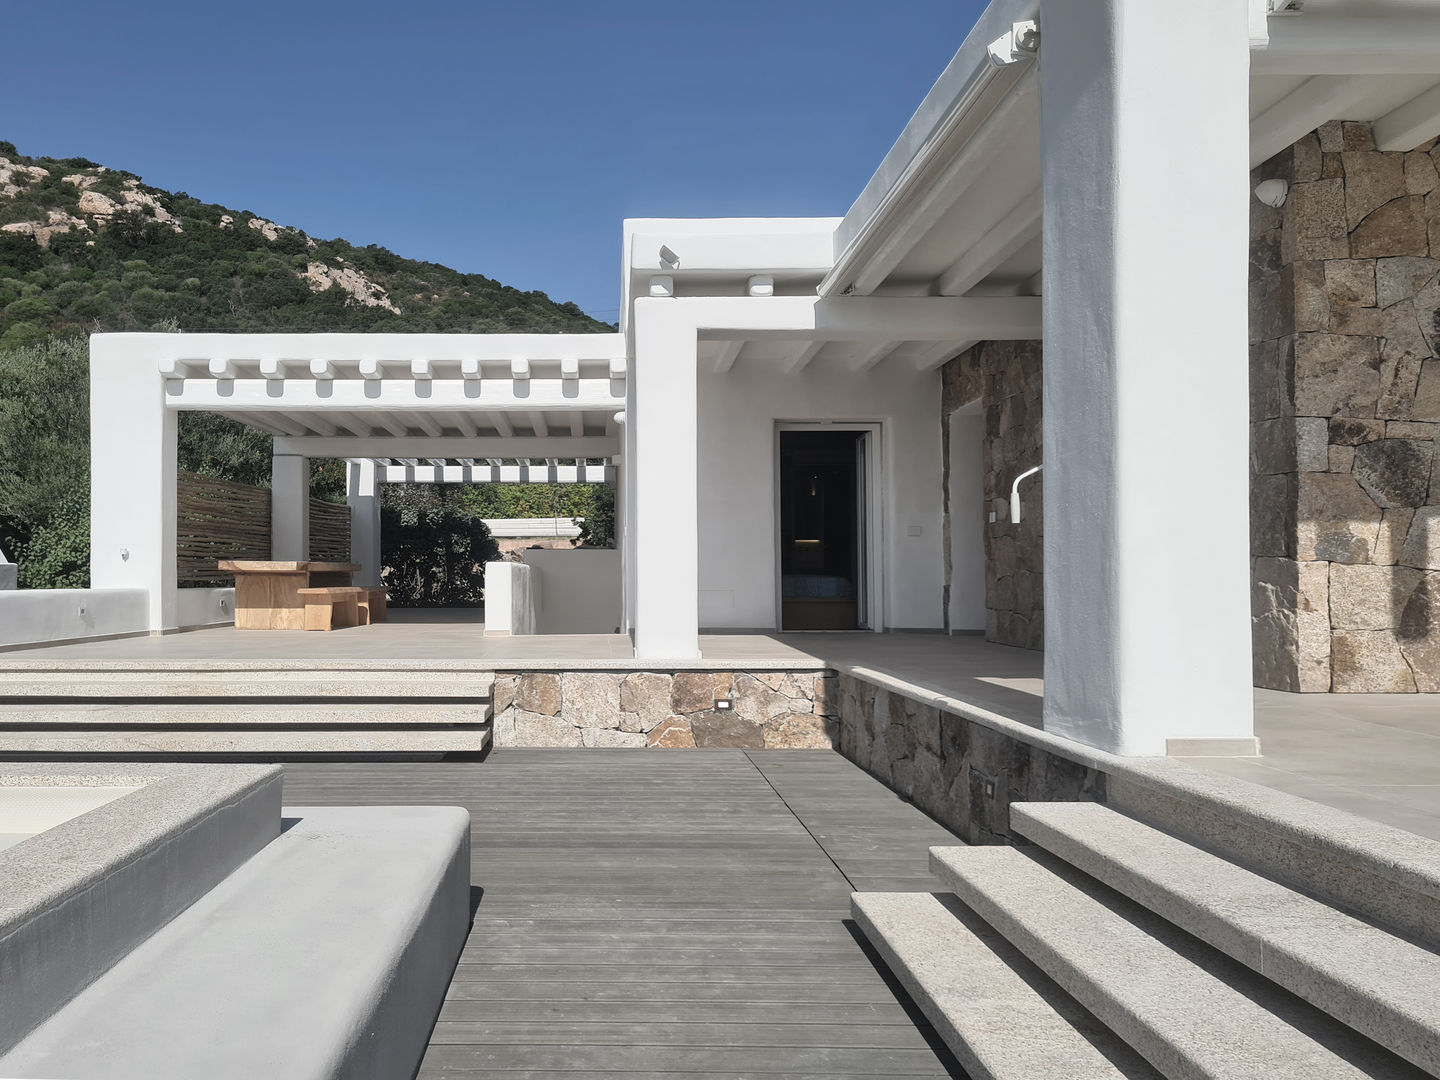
(331, 608)
(372, 605)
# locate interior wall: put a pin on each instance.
(965, 487)
(738, 412)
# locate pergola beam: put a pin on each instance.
(257, 395)
(864, 318)
(1311, 44)
(1407, 126)
(1019, 226)
(1315, 101)
(496, 474)
(447, 447)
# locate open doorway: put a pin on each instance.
(825, 527)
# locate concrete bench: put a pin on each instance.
(372, 605)
(332, 608)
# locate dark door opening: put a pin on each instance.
(822, 530)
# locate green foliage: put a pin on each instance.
(593, 502)
(136, 273)
(435, 550)
(57, 553)
(598, 528)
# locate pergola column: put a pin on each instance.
(1145, 132)
(362, 494)
(132, 476)
(661, 464)
(289, 507)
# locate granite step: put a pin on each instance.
(1381, 985)
(211, 685)
(979, 992)
(326, 954)
(1187, 1008)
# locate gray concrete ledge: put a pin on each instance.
(83, 894)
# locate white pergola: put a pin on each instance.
(447, 408)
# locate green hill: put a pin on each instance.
(85, 249)
(90, 248)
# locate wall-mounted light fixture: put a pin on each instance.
(1272, 192)
(1015, 493)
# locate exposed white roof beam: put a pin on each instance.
(387, 422)
(370, 369)
(1313, 44)
(865, 318)
(960, 150)
(353, 395)
(272, 368)
(448, 447)
(577, 424)
(221, 368)
(419, 369)
(463, 422)
(538, 424)
(938, 353)
(273, 423)
(1007, 236)
(353, 424)
(729, 353)
(501, 423)
(323, 369)
(800, 359)
(1407, 126)
(425, 422)
(1317, 100)
(870, 356)
(317, 424)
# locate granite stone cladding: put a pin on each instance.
(667, 710)
(1006, 377)
(960, 772)
(1345, 417)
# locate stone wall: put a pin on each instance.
(667, 710)
(1005, 376)
(1345, 412)
(960, 772)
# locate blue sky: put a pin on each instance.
(503, 139)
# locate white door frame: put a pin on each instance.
(873, 569)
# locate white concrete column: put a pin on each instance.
(661, 464)
(289, 507)
(132, 472)
(362, 494)
(1145, 132)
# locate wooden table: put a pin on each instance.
(267, 594)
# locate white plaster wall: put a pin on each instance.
(580, 590)
(967, 517)
(509, 599)
(738, 534)
(35, 615)
(205, 607)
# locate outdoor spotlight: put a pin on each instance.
(668, 259)
(1272, 192)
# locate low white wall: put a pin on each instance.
(29, 616)
(204, 607)
(738, 536)
(509, 599)
(580, 590)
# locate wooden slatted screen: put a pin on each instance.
(329, 531)
(218, 519)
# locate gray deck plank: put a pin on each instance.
(648, 914)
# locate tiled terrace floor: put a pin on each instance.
(680, 914)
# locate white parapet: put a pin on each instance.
(32, 616)
(509, 599)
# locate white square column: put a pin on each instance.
(661, 463)
(1145, 143)
(362, 495)
(132, 473)
(289, 507)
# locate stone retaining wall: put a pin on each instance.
(667, 710)
(1345, 416)
(960, 772)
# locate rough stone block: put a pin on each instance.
(800, 731)
(1336, 520)
(539, 692)
(502, 728)
(1369, 662)
(1312, 449)
(1397, 228)
(1272, 515)
(1273, 446)
(1419, 634)
(712, 730)
(1372, 179)
(1370, 597)
(535, 729)
(1422, 540)
(1336, 375)
(692, 692)
(1395, 472)
(674, 734)
(1399, 379)
(1427, 393)
(1315, 223)
(1420, 175)
(1394, 525)
(646, 694)
(1400, 278)
(502, 693)
(825, 695)
(606, 737)
(1275, 648)
(1312, 626)
(1341, 458)
(1412, 429)
(1353, 431)
(1349, 282)
(592, 699)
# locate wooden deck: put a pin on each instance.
(653, 913)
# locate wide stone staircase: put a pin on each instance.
(1106, 947)
(244, 707)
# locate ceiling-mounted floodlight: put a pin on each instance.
(668, 259)
(1020, 42)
